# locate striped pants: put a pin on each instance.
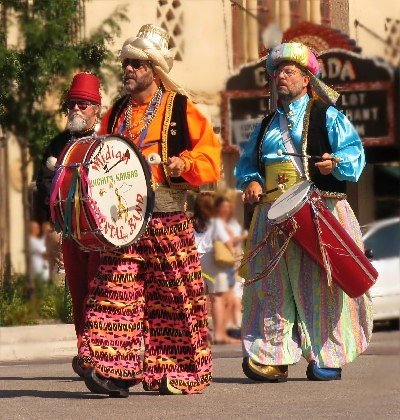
(293, 312)
(153, 293)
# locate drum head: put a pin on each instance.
(289, 202)
(121, 189)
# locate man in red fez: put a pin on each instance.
(83, 105)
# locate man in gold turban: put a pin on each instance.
(163, 303)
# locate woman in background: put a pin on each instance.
(207, 230)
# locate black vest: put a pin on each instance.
(174, 132)
(317, 143)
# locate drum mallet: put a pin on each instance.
(280, 152)
(155, 159)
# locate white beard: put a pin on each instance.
(76, 123)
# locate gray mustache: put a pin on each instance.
(129, 76)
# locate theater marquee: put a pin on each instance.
(367, 98)
(367, 94)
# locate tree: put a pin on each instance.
(50, 52)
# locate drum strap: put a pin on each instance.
(289, 145)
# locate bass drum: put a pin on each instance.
(101, 194)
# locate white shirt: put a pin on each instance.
(215, 231)
(37, 248)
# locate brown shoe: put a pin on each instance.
(264, 373)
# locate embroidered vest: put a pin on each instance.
(315, 141)
(174, 132)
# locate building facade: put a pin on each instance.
(213, 40)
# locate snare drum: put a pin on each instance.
(101, 193)
(317, 231)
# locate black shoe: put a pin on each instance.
(99, 385)
(148, 388)
(77, 367)
(234, 333)
(264, 373)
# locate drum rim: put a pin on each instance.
(294, 210)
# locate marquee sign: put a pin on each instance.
(367, 98)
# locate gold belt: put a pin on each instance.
(168, 200)
(280, 176)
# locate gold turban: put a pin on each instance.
(151, 44)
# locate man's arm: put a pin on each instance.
(45, 175)
(346, 147)
(202, 164)
(247, 172)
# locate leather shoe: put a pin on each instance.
(264, 373)
(315, 373)
(77, 368)
(113, 387)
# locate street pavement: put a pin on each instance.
(370, 389)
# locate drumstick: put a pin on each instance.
(280, 152)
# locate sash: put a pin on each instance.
(289, 145)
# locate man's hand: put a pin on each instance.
(252, 192)
(328, 163)
(176, 166)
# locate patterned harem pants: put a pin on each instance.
(293, 312)
(151, 292)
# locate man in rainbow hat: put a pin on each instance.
(83, 104)
(293, 311)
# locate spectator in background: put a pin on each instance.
(207, 230)
(37, 251)
(238, 235)
(232, 233)
(52, 241)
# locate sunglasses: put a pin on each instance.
(82, 105)
(134, 63)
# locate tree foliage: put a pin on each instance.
(43, 64)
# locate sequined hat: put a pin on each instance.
(296, 52)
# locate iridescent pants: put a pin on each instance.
(293, 312)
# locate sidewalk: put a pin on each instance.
(37, 342)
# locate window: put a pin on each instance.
(385, 242)
(392, 50)
(170, 18)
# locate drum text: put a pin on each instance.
(98, 182)
(137, 213)
(100, 161)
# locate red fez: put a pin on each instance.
(85, 86)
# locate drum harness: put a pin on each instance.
(291, 225)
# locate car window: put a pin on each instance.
(385, 242)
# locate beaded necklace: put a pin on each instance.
(148, 116)
(292, 124)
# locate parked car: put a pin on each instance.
(382, 247)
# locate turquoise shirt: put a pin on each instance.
(343, 138)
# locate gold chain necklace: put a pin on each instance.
(150, 113)
(129, 117)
